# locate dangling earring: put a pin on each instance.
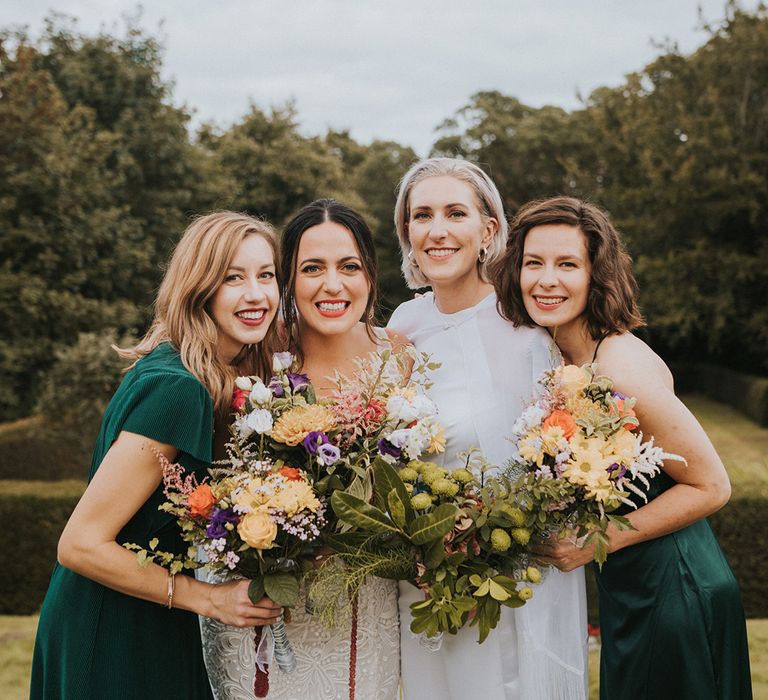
(483, 256)
(411, 261)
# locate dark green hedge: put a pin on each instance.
(30, 551)
(29, 451)
(746, 393)
(742, 528)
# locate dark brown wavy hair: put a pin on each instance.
(612, 300)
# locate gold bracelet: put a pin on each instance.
(171, 584)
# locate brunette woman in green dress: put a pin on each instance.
(108, 628)
(671, 616)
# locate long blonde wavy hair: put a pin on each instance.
(195, 271)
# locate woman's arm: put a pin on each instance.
(702, 486)
(128, 475)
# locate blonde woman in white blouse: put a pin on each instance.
(451, 226)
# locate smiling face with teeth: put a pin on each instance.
(246, 301)
(331, 288)
(446, 231)
(555, 276)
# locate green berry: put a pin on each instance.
(514, 514)
(421, 501)
(500, 540)
(444, 487)
(521, 535)
(408, 474)
(533, 574)
(525, 593)
(463, 476)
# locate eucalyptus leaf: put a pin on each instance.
(386, 478)
(434, 525)
(362, 515)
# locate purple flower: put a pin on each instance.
(329, 454)
(313, 441)
(616, 471)
(276, 387)
(219, 518)
(298, 382)
(281, 361)
(619, 395)
(387, 448)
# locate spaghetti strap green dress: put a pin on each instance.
(94, 643)
(671, 619)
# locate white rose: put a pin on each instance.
(423, 406)
(400, 409)
(242, 427)
(260, 394)
(260, 421)
(243, 383)
(281, 361)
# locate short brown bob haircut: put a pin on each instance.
(612, 301)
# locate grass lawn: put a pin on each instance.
(741, 443)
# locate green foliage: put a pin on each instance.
(26, 571)
(746, 393)
(28, 450)
(80, 384)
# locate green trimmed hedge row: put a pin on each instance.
(742, 527)
(746, 393)
(30, 553)
(29, 451)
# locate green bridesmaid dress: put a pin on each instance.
(671, 619)
(94, 643)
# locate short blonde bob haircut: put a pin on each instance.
(195, 271)
(488, 201)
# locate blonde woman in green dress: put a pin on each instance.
(108, 628)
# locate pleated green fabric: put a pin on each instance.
(671, 620)
(94, 643)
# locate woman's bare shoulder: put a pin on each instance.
(631, 363)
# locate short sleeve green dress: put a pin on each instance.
(94, 643)
(671, 619)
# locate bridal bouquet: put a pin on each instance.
(249, 520)
(375, 413)
(458, 537)
(580, 455)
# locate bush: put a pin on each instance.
(742, 529)
(28, 450)
(746, 393)
(79, 386)
(27, 567)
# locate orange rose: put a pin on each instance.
(631, 424)
(290, 473)
(561, 419)
(201, 501)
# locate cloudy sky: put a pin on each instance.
(389, 69)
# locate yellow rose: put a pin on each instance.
(258, 530)
(573, 378)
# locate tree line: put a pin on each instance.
(99, 175)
